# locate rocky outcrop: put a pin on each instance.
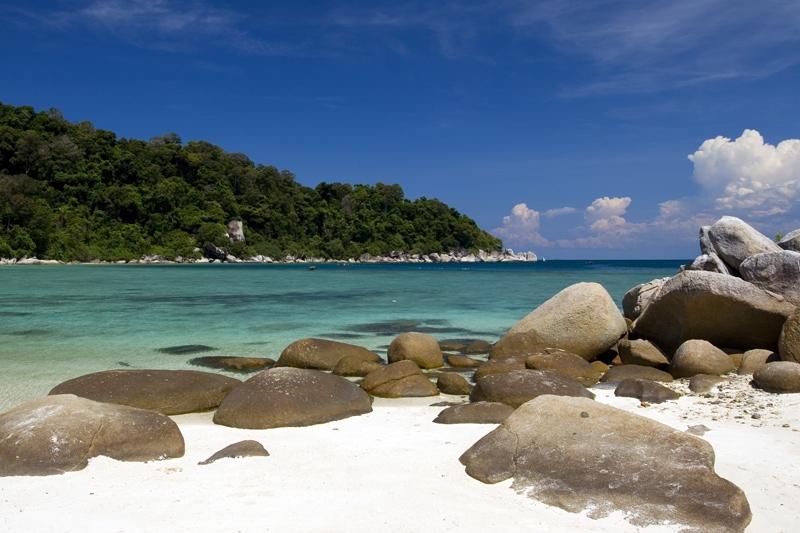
(700, 357)
(791, 241)
(213, 251)
(778, 272)
(724, 310)
(282, 397)
(169, 392)
(244, 448)
(517, 387)
(638, 298)
(645, 391)
(641, 352)
(399, 380)
(475, 413)
(582, 319)
(236, 231)
(780, 376)
(709, 263)
(734, 241)
(582, 455)
(789, 342)
(421, 348)
(450, 383)
(58, 434)
(322, 354)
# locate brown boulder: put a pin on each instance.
(461, 361)
(704, 383)
(355, 366)
(282, 397)
(421, 348)
(622, 372)
(399, 380)
(245, 448)
(475, 413)
(641, 352)
(169, 392)
(476, 347)
(697, 356)
(499, 366)
(583, 455)
(233, 364)
(567, 364)
(517, 387)
(780, 376)
(645, 390)
(321, 354)
(60, 433)
(752, 360)
(789, 343)
(453, 384)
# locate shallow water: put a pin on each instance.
(58, 322)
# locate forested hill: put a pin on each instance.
(73, 192)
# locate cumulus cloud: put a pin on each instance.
(749, 174)
(607, 226)
(522, 227)
(557, 212)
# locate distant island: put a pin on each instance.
(72, 192)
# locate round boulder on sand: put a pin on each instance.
(697, 356)
(517, 387)
(421, 348)
(780, 376)
(355, 366)
(565, 363)
(169, 392)
(453, 384)
(641, 352)
(645, 390)
(582, 319)
(282, 397)
(499, 366)
(752, 360)
(57, 434)
(621, 372)
(581, 455)
(475, 413)
(789, 343)
(321, 354)
(399, 380)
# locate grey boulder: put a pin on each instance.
(778, 272)
(734, 240)
(639, 297)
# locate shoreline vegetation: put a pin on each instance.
(71, 192)
(644, 415)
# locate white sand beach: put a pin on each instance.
(390, 470)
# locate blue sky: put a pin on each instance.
(564, 127)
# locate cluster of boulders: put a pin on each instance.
(557, 444)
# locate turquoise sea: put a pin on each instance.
(58, 322)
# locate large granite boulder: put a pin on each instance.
(778, 272)
(402, 379)
(350, 365)
(791, 241)
(462, 361)
(449, 383)
(709, 263)
(734, 241)
(322, 354)
(645, 391)
(421, 348)
(641, 352)
(282, 397)
(622, 372)
(475, 413)
(789, 342)
(236, 231)
(583, 455)
(58, 434)
(697, 356)
(780, 376)
(565, 363)
(752, 360)
(639, 297)
(517, 387)
(499, 366)
(582, 319)
(724, 310)
(169, 392)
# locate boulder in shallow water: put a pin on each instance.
(779, 376)
(475, 413)
(399, 380)
(291, 397)
(421, 348)
(186, 349)
(582, 319)
(579, 455)
(244, 448)
(233, 364)
(645, 391)
(169, 392)
(697, 356)
(517, 387)
(641, 352)
(477, 347)
(734, 241)
(322, 354)
(724, 310)
(789, 343)
(58, 434)
(778, 272)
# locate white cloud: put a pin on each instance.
(749, 174)
(522, 227)
(557, 212)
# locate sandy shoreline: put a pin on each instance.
(392, 470)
